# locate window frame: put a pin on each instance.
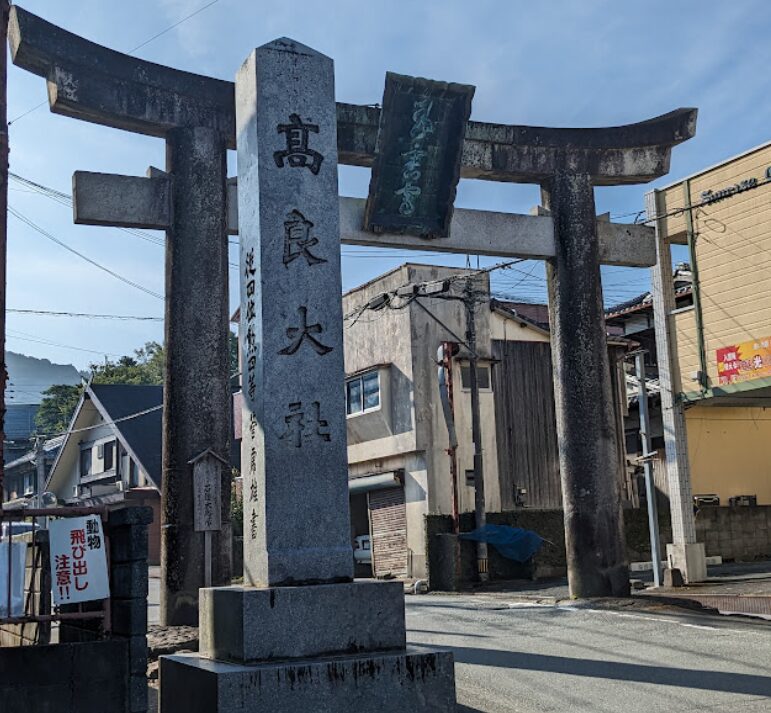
(467, 365)
(360, 379)
(86, 451)
(109, 447)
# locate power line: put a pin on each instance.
(131, 51)
(385, 299)
(19, 216)
(90, 315)
(39, 340)
(171, 27)
(65, 199)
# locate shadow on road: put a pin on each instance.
(661, 675)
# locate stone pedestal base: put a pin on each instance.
(248, 624)
(691, 560)
(413, 679)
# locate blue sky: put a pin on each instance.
(588, 63)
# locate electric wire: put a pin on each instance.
(21, 217)
(89, 315)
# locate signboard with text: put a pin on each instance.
(207, 496)
(417, 162)
(744, 361)
(78, 560)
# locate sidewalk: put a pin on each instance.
(735, 588)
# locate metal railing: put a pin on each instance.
(38, 608)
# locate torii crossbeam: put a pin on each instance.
(195, 115)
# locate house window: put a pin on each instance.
(85, 461)
(470, 478)
(133, 474)
(483, 376)
(362, 393)
(109, 455)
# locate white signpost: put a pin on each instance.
(78, 560)
(207, 501)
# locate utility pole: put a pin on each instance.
(444, 362)
(5, 10)
(40, 469)
(645, 444)
(469, 301)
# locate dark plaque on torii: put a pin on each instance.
(196, 117)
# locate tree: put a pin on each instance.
(145, 367)
(56, 409)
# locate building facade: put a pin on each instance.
(400, 469)
(20, 481)
(111, 453)
(722, 339)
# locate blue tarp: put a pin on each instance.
(514, 543)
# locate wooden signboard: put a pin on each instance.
(207, 515)
(417, 162)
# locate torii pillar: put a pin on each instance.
(195, 116)
(568, 163)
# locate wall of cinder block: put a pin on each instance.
(737, 534)
(741, 533)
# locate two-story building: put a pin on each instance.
(722, 335)
(112, 452)
(399, 466)
(20, 481)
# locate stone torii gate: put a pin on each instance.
(195, 115)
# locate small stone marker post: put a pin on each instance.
(305, 637)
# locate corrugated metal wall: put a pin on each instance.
(526, 424)
(388, 525)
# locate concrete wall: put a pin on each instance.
(512, 330)
(381, 338)
(431, 429)
(65, 678)
(728, 451)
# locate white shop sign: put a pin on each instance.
(78, 560)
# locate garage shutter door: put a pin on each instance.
(388, 517)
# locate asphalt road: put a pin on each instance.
(514, 657)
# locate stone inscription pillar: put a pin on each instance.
(585, 412)
(294, 453)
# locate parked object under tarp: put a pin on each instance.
(514, 543)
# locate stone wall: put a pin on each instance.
(740, 533)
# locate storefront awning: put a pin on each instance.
(376, 481)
